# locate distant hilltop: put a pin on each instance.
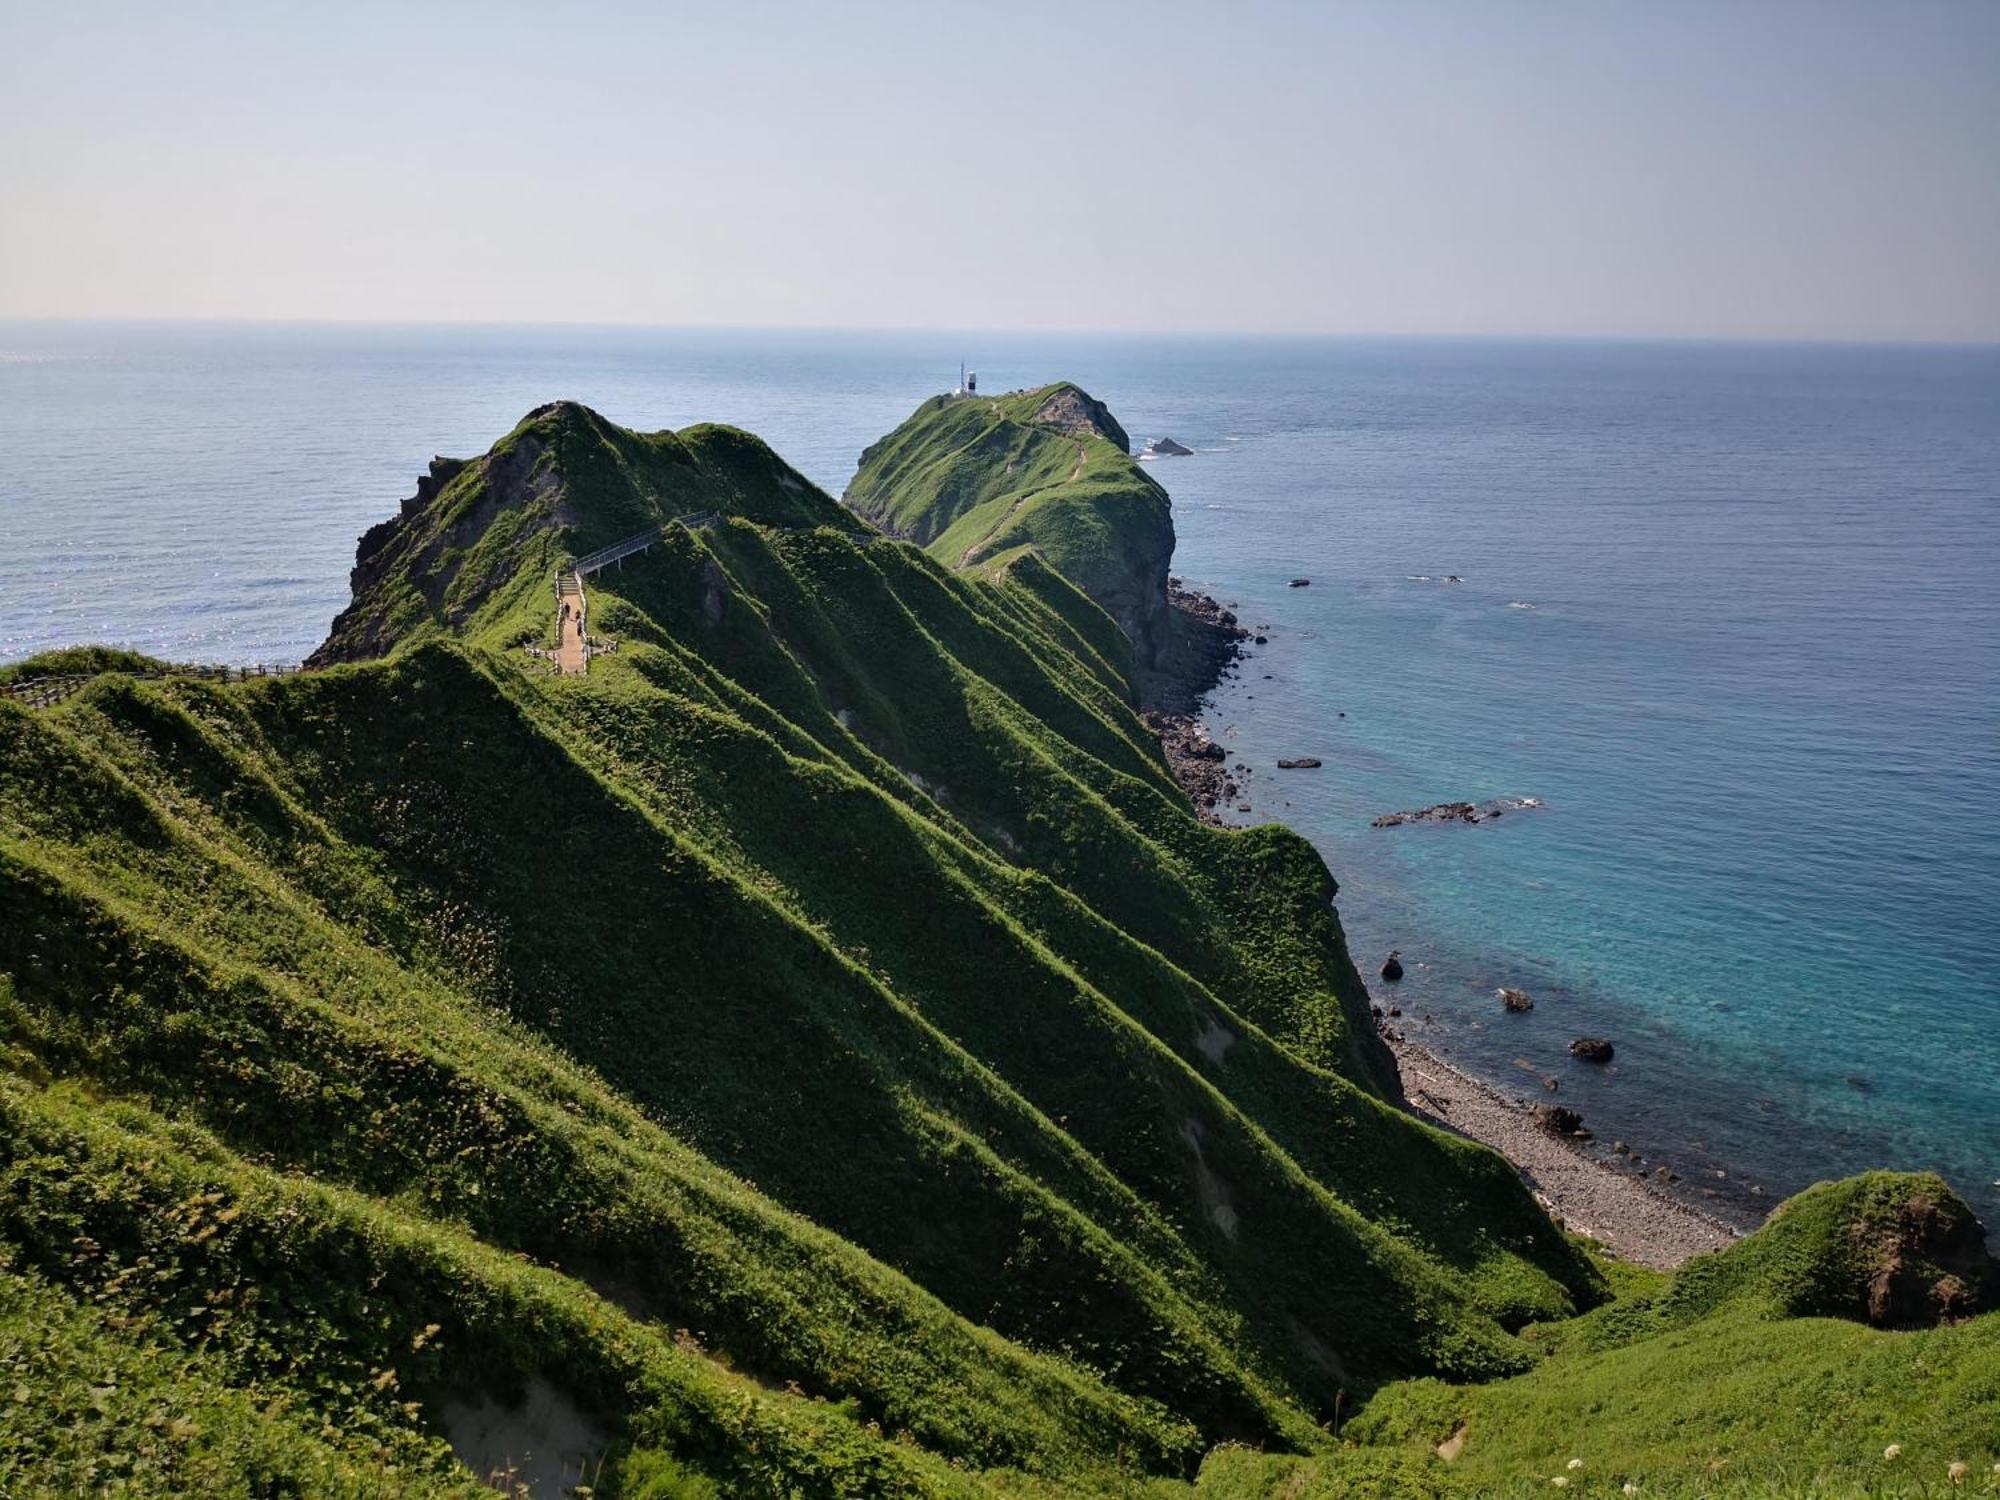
(975, 479)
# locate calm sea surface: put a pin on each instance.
(1730, 612)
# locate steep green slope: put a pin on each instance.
(1754, 1371)
(816, 1052)
(834, 972)
(974, 479)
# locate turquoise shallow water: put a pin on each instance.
(1758, 692)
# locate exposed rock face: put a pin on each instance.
(1930, 1263)
(429, 486)
(1203, 639)
(1516, 1001)
(1072, 410)
(1166, 447)
(429, 542)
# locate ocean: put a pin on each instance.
(1727, 613)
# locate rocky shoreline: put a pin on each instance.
(1206, 642)
(1627, 1215)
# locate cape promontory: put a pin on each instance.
(975, 479)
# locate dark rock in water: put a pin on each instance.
(1263, 640)
(1591, 1049)
(1558, 1119)
(1299, 583)
(1166, 447)
(1299, 763)
(1516, 1001)
(1455, 812)
(1392, 966)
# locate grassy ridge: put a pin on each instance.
(977, 480)
(819, 1043)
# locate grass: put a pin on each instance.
(1728, 1378)
(979, 480)
(821, 1036)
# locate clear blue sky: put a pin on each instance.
(1741, 168)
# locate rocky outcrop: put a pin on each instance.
(1166, 447)
(1392, 966)
(1072, 410)
(425, 549)
(1457, 812)
(1592, 1049)
(430, 485)
(1300, 763)
(1929, 1262)
(1198, 763)
(1516, 1002)
(1558, 1119)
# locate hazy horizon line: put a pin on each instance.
(1906, 341)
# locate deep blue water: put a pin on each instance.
(1758, 692)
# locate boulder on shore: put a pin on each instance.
(1516, 1001)
(1558, 1119)
(1591, 1049)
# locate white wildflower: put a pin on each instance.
(1957, 1472)
(1561, 1481)
(1893, 1451)
(1576, 1463)
(1631, 1488)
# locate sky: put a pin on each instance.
(1798, 169)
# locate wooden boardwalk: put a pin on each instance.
(572, 645)
(573, 648)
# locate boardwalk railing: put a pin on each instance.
(44, 692)
(604, 557)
